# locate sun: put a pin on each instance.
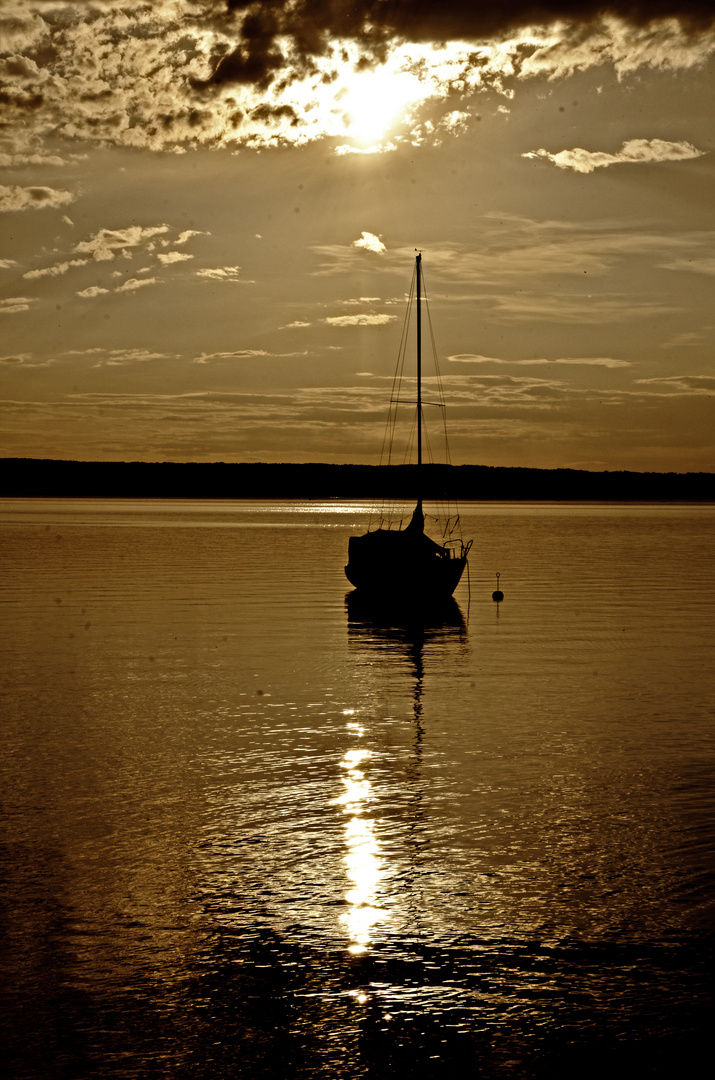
(373, 102)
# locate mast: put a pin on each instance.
(417, 521)
(419, 364)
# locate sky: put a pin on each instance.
(209, 211)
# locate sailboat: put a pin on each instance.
(405, 564)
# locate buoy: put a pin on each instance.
(498, 595)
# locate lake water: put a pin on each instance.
(248, 830)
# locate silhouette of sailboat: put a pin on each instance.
(405, 565)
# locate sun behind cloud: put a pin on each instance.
(375, 100)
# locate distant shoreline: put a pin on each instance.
(42, 478)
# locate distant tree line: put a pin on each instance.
(28, 477)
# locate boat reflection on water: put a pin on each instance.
(397, 617)
(386, 627)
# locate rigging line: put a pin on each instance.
(429, 455)
(445, 504)
(440, 387)
(407, 456)
(438, 373)
(469, 590)
(389, 435)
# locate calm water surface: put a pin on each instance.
(251, 830)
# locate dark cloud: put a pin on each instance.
(311, 24)
(257, 58)
(424, 19)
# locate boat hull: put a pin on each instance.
(393, 565)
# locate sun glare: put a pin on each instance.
(374, 101)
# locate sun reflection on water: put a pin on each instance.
(363, 862)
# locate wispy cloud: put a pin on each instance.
(584, 361)
(56, 270)
(684, 339)
(369, 242)
(124, 357)
(13, 304)
(346, 149)
(698, 265)
(241, 354)
(237, 354)
(223, 273)
(364, 319)
(635, 151)
(132, 284)
(187, 234)
(678, 385)
(91, 291)
(24, 360)
(360, 300)
(166, 259)
(578, 309)
(516, 248)
(15, 198)
(26, 147)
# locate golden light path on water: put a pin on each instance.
(365, 867)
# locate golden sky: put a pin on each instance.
(209, 213)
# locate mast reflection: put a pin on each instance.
(375, 629)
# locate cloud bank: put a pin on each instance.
(176, 74)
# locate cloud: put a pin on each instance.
(238, 354)
(697, 265)
(241, 354)
(223, 273)
(684, 339)
(122, 357)
(103, 244)
(298, 324)
(187, 234)
(19, 360)
(132, 284)
(183, 73)
(635, 151)
(377, 148)
(25, 360)
(359, 320)
(27, 149)
(54, 271)
(369, 242)
(172, 257)
(7, 264)
(593, 361)
(576, 309)
(588, 361)
(14, 198)
(683, 385)
(92, 291)
(14, 304)
(530, 254)
(476, 358)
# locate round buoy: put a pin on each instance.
(498, 595)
